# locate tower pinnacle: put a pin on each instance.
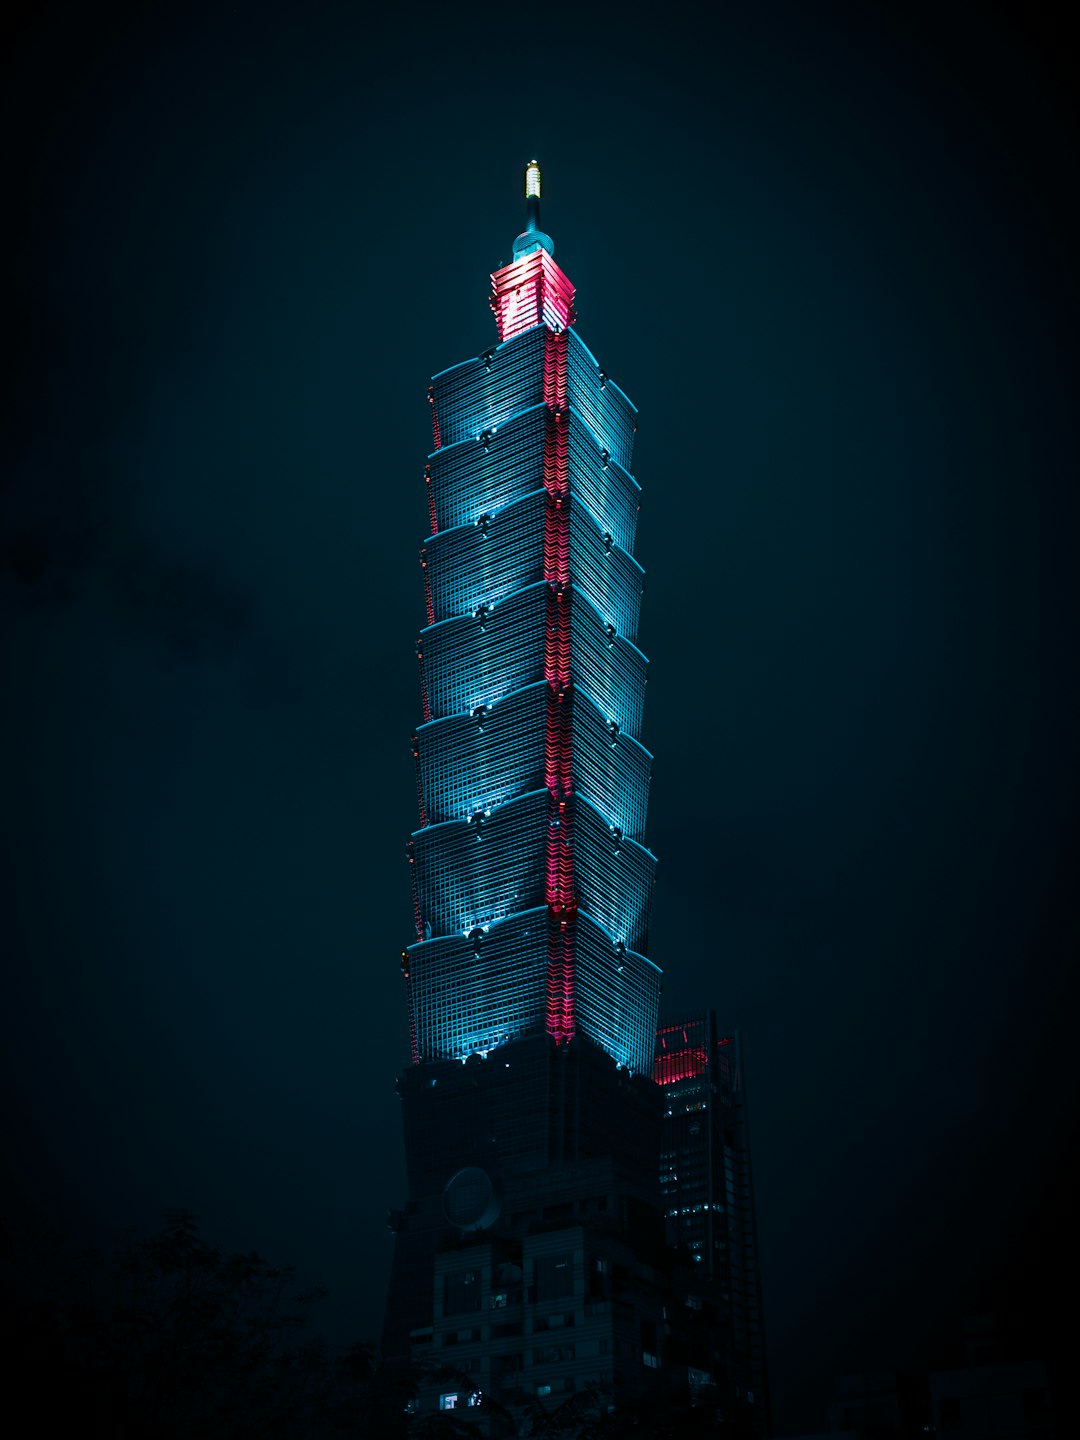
(532, 237)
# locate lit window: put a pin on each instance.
(448, 1402)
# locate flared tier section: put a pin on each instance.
(472, 662)
(471, 994)
(470, 482)
(473, 568)
(479, 396)
(472, 764)
(472, 873)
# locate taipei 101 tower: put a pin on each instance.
(528, 1258)
(531, 883)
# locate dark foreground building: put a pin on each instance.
(531, 1263)
(707, 1188)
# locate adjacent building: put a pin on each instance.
(707, 1189)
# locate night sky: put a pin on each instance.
(832, 257)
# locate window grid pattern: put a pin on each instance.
(482, 394)
(473, 995)
(602, 405)
(479, 477)
(618, 995)
(481, 563)
(610, 492)
(471, 873)
(478, 659)
(471, 763)
(610, 577)
(612, 771)
(467, 764)
(613, 876)
(610, 670)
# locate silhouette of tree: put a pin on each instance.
(178, 1339)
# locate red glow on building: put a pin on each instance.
(558, 758)
(677, 1065)
(531, 291)
(683, 1053)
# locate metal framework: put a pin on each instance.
(531, 882)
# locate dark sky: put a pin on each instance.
(833, 259)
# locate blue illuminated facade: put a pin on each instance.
(532, 883)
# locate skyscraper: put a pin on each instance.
(707, 1188)
(531, 884)
(530, 1260)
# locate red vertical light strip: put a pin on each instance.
(558, 766)
(419, 781)
(414, 1044)
(428, 601)
(424, 700)
(434, 418)
(431, 500)
(417, 916)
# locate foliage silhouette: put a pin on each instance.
(177, 1339)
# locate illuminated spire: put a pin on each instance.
(532, 237)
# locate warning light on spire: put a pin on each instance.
(532, 180)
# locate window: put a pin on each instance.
(554, 1277)
(552, 1354)
(461, 1292)
(449, 1402)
